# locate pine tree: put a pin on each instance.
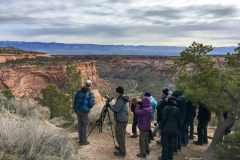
(57, 102)
(72, 80)
(217, 88)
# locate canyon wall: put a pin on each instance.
(126, 66)
(29, 80)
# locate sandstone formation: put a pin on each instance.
(29, 80)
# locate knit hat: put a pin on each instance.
(147, 94)
(165, 91)
(120, 90)
(177, 93)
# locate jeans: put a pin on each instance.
(168, 145)
(134, 124)
(202, 132)
(83, 120)
(156, 129)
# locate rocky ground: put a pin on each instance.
(102, 147)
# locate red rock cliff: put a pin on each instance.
(29, 80)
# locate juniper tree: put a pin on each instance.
(57, 102)
(217, 88)
(72, 80)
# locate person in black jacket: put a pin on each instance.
(181, 105)
(204, 117)
(170, 124)
(160, 107)
(190, 114)
(135, 118)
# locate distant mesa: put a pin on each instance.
(96, 49)
(12, 53)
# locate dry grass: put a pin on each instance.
(30, 139)
(29, 108)
(24, 136)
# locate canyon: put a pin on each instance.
(124, 65)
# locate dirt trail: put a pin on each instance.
(101, 147)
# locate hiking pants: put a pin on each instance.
(143, 142)
(83, 120)
(120, 131)
(202, 132)
(134, 124)
(168, 145)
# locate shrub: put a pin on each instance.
(30, 139)
(28, 108)
(8, 93)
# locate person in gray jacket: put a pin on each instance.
(121, 115)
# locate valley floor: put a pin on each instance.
(102, 147)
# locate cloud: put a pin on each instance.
(120, 22)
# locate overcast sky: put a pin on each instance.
(128, 22)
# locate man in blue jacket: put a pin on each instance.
(83, 101)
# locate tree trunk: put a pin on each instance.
(211, 152)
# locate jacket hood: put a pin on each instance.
(177, 93)
(125, 98)
(84, 90)
(171, 102)
(146, 102)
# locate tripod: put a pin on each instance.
(100, 121)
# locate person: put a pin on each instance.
(181, 105)
(204, 117)
(170, 124)
(135, 118)
(153, 105)
(144, 111)
(84, 100)
(190, 114)
(121, 116)
(160, 107)
(229, 128)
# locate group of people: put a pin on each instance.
(174, 117)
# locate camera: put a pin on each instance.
(109, 99)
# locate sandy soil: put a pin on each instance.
(102, 147)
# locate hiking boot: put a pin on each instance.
(119, 154)
(84, 143)
(175, 153)
(147, 151)
(134, 135)
(141, 155)
(197, 143)
(191, 137)
(117, 148)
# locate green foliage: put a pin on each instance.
(72, 80)
(38, 61)
(8, 93)
(56, 101)
(233, 140)
(204, 83)
(230, 149)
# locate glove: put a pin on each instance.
(107, 105)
